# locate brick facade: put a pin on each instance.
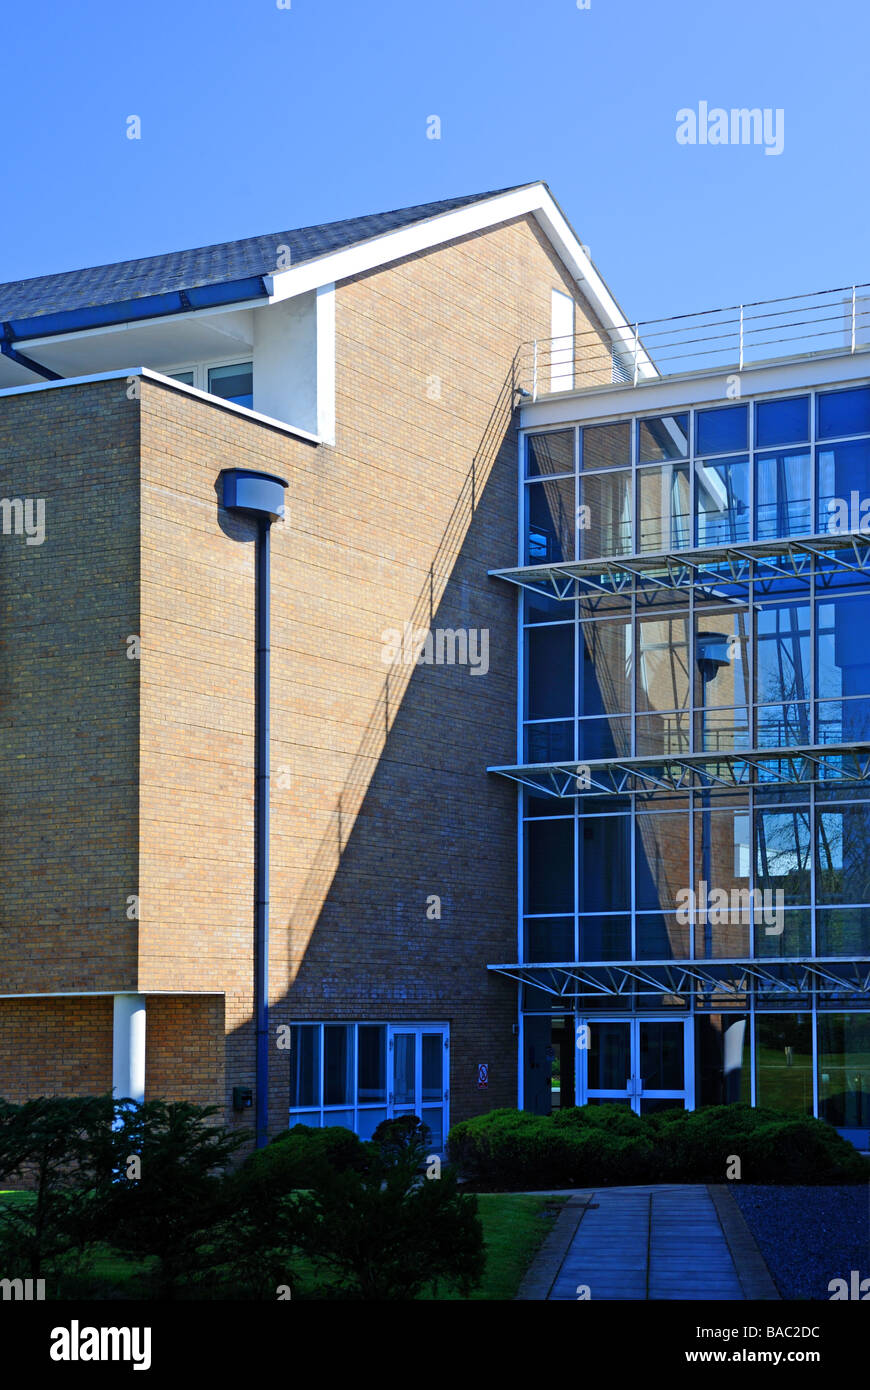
(380, 799)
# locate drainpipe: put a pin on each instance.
(260, 496)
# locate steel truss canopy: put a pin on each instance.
(710, 569)
(826, 977)
(831, 762)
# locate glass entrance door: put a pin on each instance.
(419, 1077)
(643, 1063)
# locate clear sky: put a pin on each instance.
(256, 118)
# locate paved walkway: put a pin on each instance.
(663, 1242)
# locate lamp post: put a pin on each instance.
(260, 496)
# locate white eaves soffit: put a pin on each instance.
(534, 198)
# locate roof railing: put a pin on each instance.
(726, 339)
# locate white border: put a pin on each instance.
(151, 375)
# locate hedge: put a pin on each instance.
(301, 1157)
(608, 1145)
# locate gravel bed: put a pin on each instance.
(808, 1235)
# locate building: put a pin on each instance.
(255, 666)
(694, 739)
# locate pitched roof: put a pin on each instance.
(224, 263)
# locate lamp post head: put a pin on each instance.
(254, 494)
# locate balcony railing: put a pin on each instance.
(725, 339)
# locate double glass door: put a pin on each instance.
(645, 1063)
(419, 1073)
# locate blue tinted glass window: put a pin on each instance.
(550, 671)
(783, 853)
(234, 383)
(604, 515)
(550, 938)
(606, 446)
(722, 501)
(662, 438)
(844, 721)
(842, 868)
(549, 454)
(721, 431)
(843, 485)
(843, 412)
(549, 866)
(783, 494)
(661, 858)
(843, 658)
(664, 507)
(550, 525)
(782, 661)
(605, 938)
(782, 422)
(604, 868)
(541, 608)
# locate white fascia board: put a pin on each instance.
(561, 234)
(174, 385)
(325, 329)
(535, 198)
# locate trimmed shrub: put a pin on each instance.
(404, 1134)
(301, 1157)
(616, 1119)
(608, 1145)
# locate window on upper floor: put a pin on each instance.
(233, 381)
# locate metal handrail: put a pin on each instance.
(624, 353)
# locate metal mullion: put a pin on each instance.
(693, 659)
(576, 878)
(814, 678)
(322, 1089)
(692, 793)
(814, 489)
(751, 441)
(578, 435)
(815, 1044)
(354, 1032)
(635, 672)
(632, 849)
(814, 824)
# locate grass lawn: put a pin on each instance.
(515, 1225)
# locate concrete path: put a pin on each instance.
(663, 1242)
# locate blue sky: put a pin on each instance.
(255, 119)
